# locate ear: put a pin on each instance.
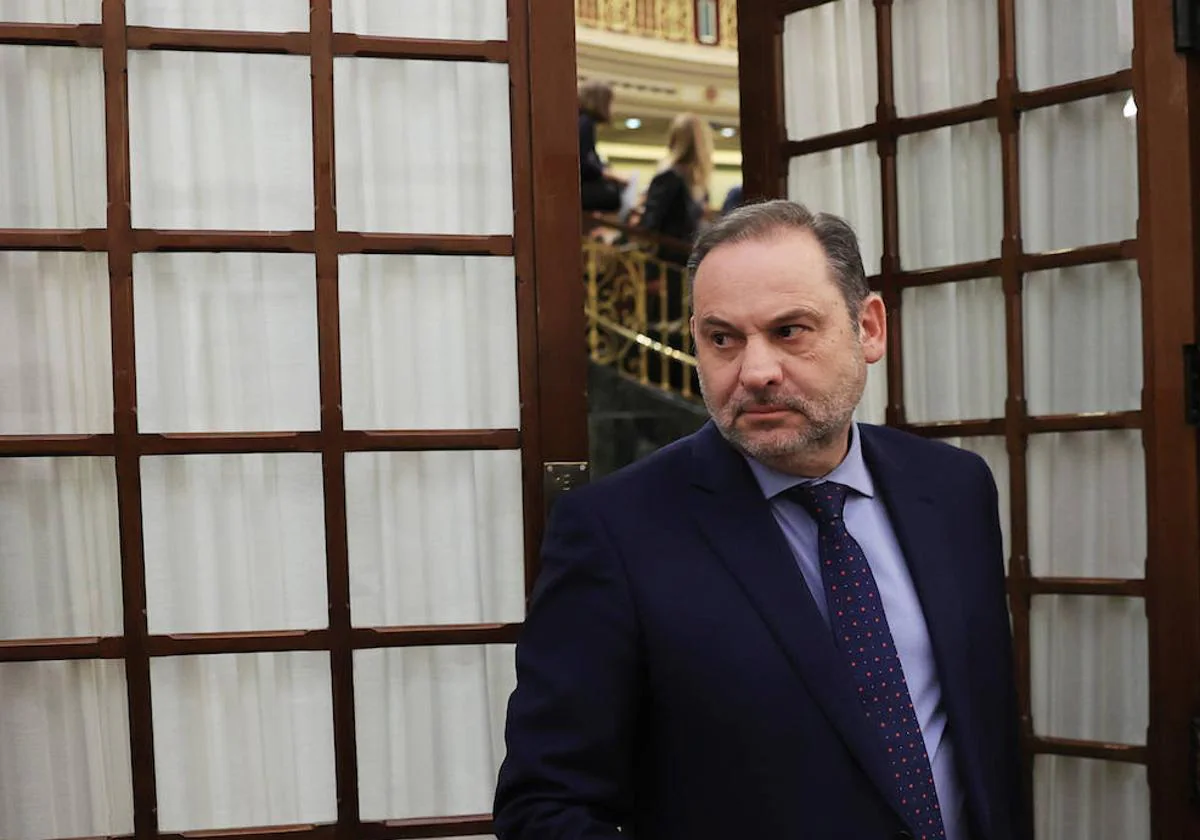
(872, 328)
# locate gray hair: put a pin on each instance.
(758, 221)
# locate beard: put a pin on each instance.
(826, 417)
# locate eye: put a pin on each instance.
(719, 339)
(791, 330)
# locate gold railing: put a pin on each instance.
(667, 20)
(636, 306)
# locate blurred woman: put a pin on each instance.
(675, 204)
(600, 190)
(678, 194)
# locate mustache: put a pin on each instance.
(770, 403)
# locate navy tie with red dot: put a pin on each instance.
(861, 631)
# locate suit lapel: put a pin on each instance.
(737, 522)
(928, 551)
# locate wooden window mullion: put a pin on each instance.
(333, 450)
(1016, 432)
(886, 145)
(126, 457)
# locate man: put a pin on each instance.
(787, 625)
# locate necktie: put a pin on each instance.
(861, 631)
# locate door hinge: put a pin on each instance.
(560, 476)
(1191, 384)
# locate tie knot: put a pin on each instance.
(824, 502)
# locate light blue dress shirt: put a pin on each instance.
(867, 520)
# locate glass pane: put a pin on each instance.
(64, 750)
(1083, 339)
(60, 558)
(994, 450)
(947, 54)
(234, 542)
(1069, 40)
(259, 15)
(430, 728)
(1078, 174)
(220, 140)
(226, 342)
(949, 190)
(1086, 799)
(49, 11)
(457, 315)
(52, 92)
(845, 182)
(423, 146)
(873, 406)
(55, 344)
(1087, 504)
(243, 740)
(469, 20)
(830, 81)
(954, 352)
(1090, 670)
(435, 537)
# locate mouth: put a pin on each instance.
(764, 412)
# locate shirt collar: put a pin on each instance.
(852, 472)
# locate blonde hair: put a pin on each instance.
(690, 150)
(595, 100)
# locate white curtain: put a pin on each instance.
(1078, 174)
(52, 146)
(220, 140)
(259, 15)
(50, 11)
(948, 187)
(1068, 40)
(228, 343)
(64, 769)
(243, 739)
(234, 542)
(435, 538)
(947, 54)
(953, 351)
(829, 67)
(424, 765)
(459, 317)
(1082, 336)
(471, 20)
(845, 182)
(450, 151)
(55, 344)
(60, 562)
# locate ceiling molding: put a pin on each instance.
(652, 77)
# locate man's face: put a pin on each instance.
(782, 366)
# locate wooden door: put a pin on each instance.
(288, 346)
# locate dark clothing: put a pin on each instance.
(676, 681)
(672, 211)
(597, 193)
(591, 168)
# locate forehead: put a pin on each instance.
(783, 265)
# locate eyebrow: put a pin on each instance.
(795, 314)
(714, 321)
(783, 318)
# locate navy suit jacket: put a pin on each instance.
(675, 679)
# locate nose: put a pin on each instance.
(760, 365)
